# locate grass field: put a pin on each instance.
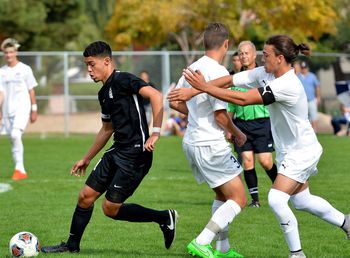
(44, 203)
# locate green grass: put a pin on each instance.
(44, 203)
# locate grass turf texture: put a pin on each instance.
(44, 203)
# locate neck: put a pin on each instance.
(109, 72)
(250, 67)
(282, 70)
(214, 54)
(13, 63)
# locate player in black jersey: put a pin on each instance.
(123, 166)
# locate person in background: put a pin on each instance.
(175, 125)
(297, 67)
(312, 89)
(18, 102)
(236, 63)
(144, 75)
(341, 120)
(254, 122)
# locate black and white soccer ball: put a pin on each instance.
(24, 244)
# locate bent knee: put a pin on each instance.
(110, 209)
(274, 200)
(85, 200)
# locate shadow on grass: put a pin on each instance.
(132, 253)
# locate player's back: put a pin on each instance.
(202, 128)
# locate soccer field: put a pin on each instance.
(44, 203)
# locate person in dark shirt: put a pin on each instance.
(123, 166)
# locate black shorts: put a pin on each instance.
(259, 137)
(119, 174)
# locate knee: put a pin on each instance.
(84, 200)
(240, 199)
(266, 164)
(15, 135)
(110, 210)
(274, 201)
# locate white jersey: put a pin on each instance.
(202, 129)
(291, 129)
(15, 82)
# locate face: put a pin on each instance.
(247, 55)
(270, 60)
(97, 67)
(236, 63)
(10, 54)
(297, 68)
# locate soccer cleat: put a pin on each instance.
(229, 254)
(169, 229)
(254, 204)
(203, 251)
(18, 175)
(299, 254)
(346, 226)
(61, 248)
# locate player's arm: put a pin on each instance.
(232, 96)
(318, 94)
(34, 106)
(224, 121)
(156, 99)
(179, 106)
(101, 139)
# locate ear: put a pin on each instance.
(107, 60)
(226, 44)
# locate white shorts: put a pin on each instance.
(214, 164)
(312, 110)
(18, 121)
(299, 165)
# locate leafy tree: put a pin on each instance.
(154, 22)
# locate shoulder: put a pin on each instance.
(24, 67)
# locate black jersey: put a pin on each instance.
(122, 105)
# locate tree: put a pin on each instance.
(156, 22)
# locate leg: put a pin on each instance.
(17, 154)
(250, 177)
(266, 161)
(80, 220)
(278, 201)
(304, 200)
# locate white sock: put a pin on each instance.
(222, 243)
(17, 149)
(278, 202)
(222, 217)
(318, 207)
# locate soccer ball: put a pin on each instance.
(24, 244)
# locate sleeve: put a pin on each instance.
(105, 115)
(1, 86)
(279, 91)
(250, 78)
(316, 81)
(180, 83)
(135, 83)
(30, 79)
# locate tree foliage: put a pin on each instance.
(154, 22)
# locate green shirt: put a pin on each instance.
(249, 112)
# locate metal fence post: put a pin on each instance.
(66, 94)
(165, 72)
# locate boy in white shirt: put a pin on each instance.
(18, 101)
(208, 152)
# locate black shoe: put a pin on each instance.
(169, 229)
(61, 248)
(255, 204)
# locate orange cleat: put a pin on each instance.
(18, 175)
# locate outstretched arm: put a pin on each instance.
(156, 99)
(179, 106)
(233, 96)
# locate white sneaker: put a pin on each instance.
(297, 255)
(346, 226)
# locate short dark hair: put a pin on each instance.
(284, 45)
(235, 54)
(98, 48)
(215, 35)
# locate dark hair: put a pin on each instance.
(235, 54)
(215, 35)
(98, 48)
(284, 45)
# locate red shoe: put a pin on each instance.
(18, 175)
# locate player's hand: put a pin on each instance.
(240, 139)
(181, 94)
(228, 136)
(79, 168)
(151, 141)
(33, 116)
(195, 78)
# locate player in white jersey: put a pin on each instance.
(297, 148)
(208, 152)
(17, 84)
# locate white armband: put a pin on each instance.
(34, 107)
(156, 130)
